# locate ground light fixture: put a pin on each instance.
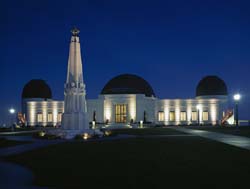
(237, 98)
(141, 124)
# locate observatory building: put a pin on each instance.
(128, 99)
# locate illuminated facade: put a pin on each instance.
(121, 103)
(44, 113)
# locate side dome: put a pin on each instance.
(128, 84)
(211, 86)
(37, 88)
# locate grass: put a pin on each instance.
(241, 131)
(8, 143)
(17, 129)
(146, 131)
(20, 134)
(174, 162)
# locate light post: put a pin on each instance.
(198, 107)
(12, 111)
(237, 98)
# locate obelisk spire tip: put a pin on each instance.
(75, 31)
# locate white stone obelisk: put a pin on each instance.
(74, 118)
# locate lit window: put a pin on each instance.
(39, 117)
(171, 116)
(161, 116)
(183, 116)
(194, 116)
(205, 116)
(59, 117)
(120, 113)
(50, 117)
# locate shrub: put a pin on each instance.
(44, 135)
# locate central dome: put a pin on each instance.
(128, 84)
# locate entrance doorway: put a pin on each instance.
(120, 113)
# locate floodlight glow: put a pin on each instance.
(12, 110)
(237, 97)
(213, 113)
(132, 108)
(85, 136)
(141, 124)
(93, 124)
(107, 110)
(198, 107)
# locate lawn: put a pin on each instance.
(5, 129)
(147, 131)
(241, 131)
(8, 143)
(173, 162)
(19, 133)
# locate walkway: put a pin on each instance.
(17, 132)
(18, 149)
(238, 141)
(15, 176)
(22, 176)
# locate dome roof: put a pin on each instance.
(36, 88)
(128, 84)
(211, 85)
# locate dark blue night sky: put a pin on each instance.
(172, 44)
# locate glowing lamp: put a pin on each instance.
(85, 136)
(198, 107)
(12, 110)
(237, 97)
(236, 110)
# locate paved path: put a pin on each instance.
(17, 132)
(39, 143)
(18, 149)
(22, 176)
(13, 175)
(238, 141)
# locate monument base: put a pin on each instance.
(75, 121)
(70, 134)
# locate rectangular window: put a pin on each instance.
(194, 116)
(171, 116)
(50, 117)
(183, 116)
(120, 113)
(161, 116)
(205, 116)
(59, 117)
(39, 117)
